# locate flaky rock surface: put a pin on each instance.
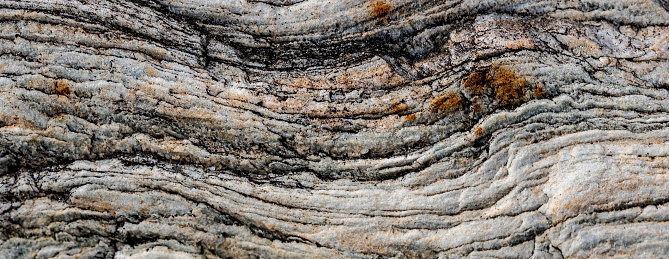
(334, 129)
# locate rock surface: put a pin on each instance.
(334, 129)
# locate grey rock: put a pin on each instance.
(334, 129)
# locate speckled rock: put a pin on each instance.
(334, 129)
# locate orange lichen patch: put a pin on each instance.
(479, 131)
(539, 92)
(380, 9)
(502, 85)
(61, 87)
(509, 88)
(398, 108)
(477, 82)
(477, 107)
(450, 101)
(410, 117)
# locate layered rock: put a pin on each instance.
(303, 128)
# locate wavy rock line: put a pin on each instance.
(289, 128)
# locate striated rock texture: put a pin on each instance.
(334, 128)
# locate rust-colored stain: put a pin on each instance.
(450, 101)
(61, 87)
(380, 9)
(410, 117)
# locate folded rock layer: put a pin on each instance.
(334, 129)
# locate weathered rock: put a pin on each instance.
(348, 128)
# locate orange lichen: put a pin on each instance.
(450, 101)
(380, 9)
(479, 131)
(477, 107)
(477, 82)
(506, 88)
(509, 88)
(539, 92)
(61, 87)
(398, 108)
(410, 117)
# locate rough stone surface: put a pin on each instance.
(334, 129)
